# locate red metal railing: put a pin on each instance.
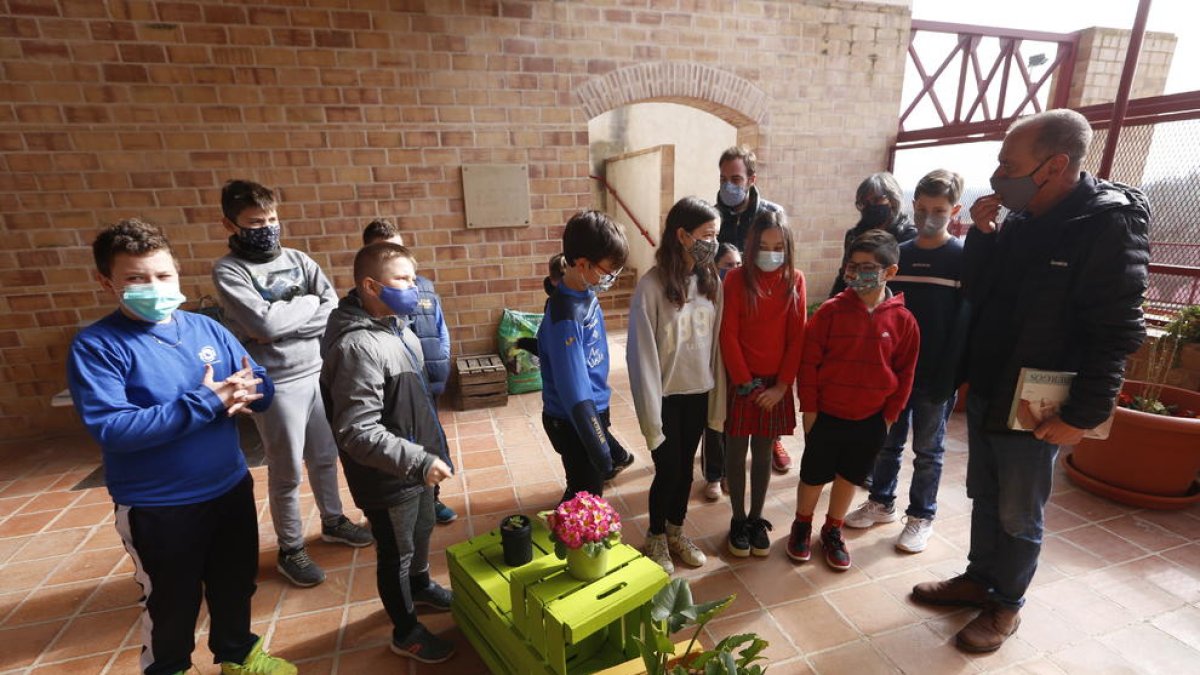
(983, 103)
(625, 208)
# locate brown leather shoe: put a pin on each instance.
(989, 630)
(959, 591)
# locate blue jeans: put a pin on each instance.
(928, 421)
(1009, 478)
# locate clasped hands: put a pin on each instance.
(237, 391)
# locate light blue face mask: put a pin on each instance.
(769, 261)
(731, 195)
(152, 302)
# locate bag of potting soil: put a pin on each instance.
(524, 371)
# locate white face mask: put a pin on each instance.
(931, 224)
(769, 261)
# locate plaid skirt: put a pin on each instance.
(745, 418)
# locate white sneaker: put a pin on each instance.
(658, 551)
(712, 491)
(915, 535)
(683, 547)
(869, 513)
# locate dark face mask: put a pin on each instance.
(259, 238)
(1016, 192)
(876, 216)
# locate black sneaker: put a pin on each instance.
(421, 645)
(433, 596)
(760, 543)
(618, 467)
(346, 532)
(739, 538)
(299, 569)
(836, 554)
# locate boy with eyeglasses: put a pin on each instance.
(573, 352)
(929, 277)
(856, 372)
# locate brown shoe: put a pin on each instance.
(989, 630)
(959, 591)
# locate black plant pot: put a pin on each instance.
(517, 541)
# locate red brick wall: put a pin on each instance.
(355, 109)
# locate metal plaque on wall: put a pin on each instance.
(496, 195)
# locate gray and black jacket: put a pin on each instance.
(375, 393)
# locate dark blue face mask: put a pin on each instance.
(402, 301)
(260, 238)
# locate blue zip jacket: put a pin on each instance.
(165, 437)
(573, 354)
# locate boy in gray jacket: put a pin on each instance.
(388, 436)
(276, 301)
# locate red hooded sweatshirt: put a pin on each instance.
(855, 362)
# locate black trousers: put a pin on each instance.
(402, 556)
(183, 552)
(683, 418)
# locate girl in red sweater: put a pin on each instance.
(762, 335)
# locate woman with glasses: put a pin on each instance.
(878, 202)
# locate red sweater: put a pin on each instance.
(765, 339)
(856, 362)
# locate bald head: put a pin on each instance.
(1055, 132)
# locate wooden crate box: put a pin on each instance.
(482, 381)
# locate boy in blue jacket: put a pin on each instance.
(429, 324)
(573, 352)
(158, 389)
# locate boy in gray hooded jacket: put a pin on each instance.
(388, 436)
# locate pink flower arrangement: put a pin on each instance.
(586, 522)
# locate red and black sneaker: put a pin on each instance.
(835, 548)
(781, 461)
(421, 645)
(798, 548)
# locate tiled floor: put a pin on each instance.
(1118, 589)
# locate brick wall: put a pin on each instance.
(356, 108)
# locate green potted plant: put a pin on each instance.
(1152, 454)
(672, 610)
(516, 537)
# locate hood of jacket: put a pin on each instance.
(350, 316)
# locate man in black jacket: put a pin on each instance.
(1058, 286)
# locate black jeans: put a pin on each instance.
(402, 556)
(683, 417)
(182, 552)
(713, 455)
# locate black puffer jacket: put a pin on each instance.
(1062, 291)
(901, 228)
(375, 394)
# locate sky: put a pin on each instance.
(976, 161)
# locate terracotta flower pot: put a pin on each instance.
(1148, 460)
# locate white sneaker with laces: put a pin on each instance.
(870, 513)
(683, 547)
(658, 551)
(712, 491)
(915, 535)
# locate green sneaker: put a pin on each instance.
(258, 662)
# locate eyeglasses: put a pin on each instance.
(605, 275)
(868, 268)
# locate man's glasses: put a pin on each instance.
(606, 276)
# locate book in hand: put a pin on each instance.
(1039, 395)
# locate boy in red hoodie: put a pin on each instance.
(860, 353)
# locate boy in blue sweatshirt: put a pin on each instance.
(573, 352)
(158, 389)
(929, 276)
(429, 323)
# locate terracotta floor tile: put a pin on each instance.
(24, 644)
(1093, 656)
(1089, 507)
(22, 575)
(813, 624)
(52, 602)
(308, 635)
(1103, 544)
(88, 665)
(50, 501)
(49, 544)
(501, 501)
(1183, 523)
(88, 565)
(773, 580)
(1133, 586)
(1067, 557)
(10, 546)
(93, 633)
(1152, 649)
(30, 486)
(330, 556)
(1183, 624)
(367, 625)
(83, 516)
(331, 593)
(722, 584)
(1081, 607)
(1046, 630)
(860, 658)
(762, 623)
(26, 523)
(1145, 533)
(115, 592)
(917, 649)
(870, 608)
